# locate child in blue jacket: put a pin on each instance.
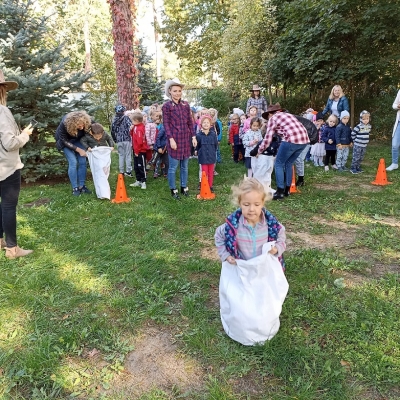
(343, 141)
(328, 136)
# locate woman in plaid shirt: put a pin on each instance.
(256, 100)
(178, 125)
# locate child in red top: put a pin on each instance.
(139, 143)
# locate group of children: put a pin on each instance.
(335, 138)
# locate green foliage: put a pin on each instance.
(29, 56)
(217, 98)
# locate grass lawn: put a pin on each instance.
(120, 301)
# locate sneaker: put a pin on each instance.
(354, 171)
(345, 169)
(334, 166)
(321, 164)
(326, 168)
(316, 165)
(155, 176)
(392, 167)
(143, 185)
(215, 173)
(76, 192)
(136, 184)
(339, 169)
(129, 174)
(84, 189)
(360, 170)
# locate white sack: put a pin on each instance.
(100, 162)
(251, 295)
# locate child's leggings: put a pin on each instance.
(209, 170)
(330, 157)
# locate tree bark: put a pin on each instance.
(123, 14)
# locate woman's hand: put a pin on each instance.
(231, 260)
(273, 251)
(28, 130)
(172, 143)
(81, 152)
(194, 142)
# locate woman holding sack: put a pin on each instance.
(11, 140)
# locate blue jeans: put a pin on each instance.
(9, 193)
(173, 165)
(76, 165)
(287, 155)
(396, 145)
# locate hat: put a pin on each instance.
(272, 108)
(255, 87)
(120, 109)
(238, 111)
(172, 82)
(10, 85)
(319, 116)
(344, 114)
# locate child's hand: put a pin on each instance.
(136, 155)
(351, 144)
(274, 250)
(160, 150)
(89, 149)
(231, 260)
(339, 146)
(330, 141)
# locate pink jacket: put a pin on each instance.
(151, 131)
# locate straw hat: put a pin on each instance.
(255, 87)
(10, 85)
(172, 82)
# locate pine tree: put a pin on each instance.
(29, 55)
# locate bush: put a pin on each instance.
(216, 98)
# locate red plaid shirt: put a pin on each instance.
(178, 124)
(287, 126)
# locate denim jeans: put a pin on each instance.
(76, 165)
(287, 155)
(299, 163)
(9, 192)
(173, 165)
(396, 145)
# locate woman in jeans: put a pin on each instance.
(11, 140)
(68, 134)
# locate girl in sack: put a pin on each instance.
(252, 285)
(248, 228)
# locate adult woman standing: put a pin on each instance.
(337, 102)
(395, 135)
(257, 100)
(178, 125)
(11, 140)
(68, 134)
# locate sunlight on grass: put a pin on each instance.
(350, 216)
(13, 326)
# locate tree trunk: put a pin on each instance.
(352, 110)
(123, 14)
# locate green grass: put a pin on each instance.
(102, 273)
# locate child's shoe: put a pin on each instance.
(143, 185)
(215, 173)
(354, 171)
(128, 174)
(345, 169)
(359, 170)
(321, 164)
(155, 176)
(136, 184)
(327, 168)
(334, 166)
(316, 164)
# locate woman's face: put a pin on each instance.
(176, 93)
(256, 93)
(336, 92)
(80, 125)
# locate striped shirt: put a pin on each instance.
(360, 134)
(178, 124)
(288, 127)
(250, 240)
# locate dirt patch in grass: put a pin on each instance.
(342, 185)
(38, 202)
(210, 253)
(157, 363)
(301, 240)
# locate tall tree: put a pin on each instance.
(30, 56)
(193, 30)
(123, 13)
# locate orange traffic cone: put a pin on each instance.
(120, 195)
(293, 188)
(381, 178)
(205, 192)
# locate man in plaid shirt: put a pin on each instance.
(294, 140)
(179, 129)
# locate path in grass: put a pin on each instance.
(121, 301)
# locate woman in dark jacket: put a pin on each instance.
(68, 134)
(337, 102)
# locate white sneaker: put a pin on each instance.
(392, 167)
(326, 168)
(143, 185)
(334, 166)
(136, 184)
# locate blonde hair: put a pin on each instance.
(334, 117)
(246, 186)
(332, 96)
(3, 95)
(213, 113)
(137, 116)
(75, 118)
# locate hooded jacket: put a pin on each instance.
(120, 128)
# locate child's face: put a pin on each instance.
(345, 120)
(206, 124)
(251, 204)
(242, 118)
(253, 111)
(365, 119)
(255, 126)
(319, 123)
(331, 122)
(235, 120)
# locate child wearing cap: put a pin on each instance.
(360, 137)
(343, 141)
